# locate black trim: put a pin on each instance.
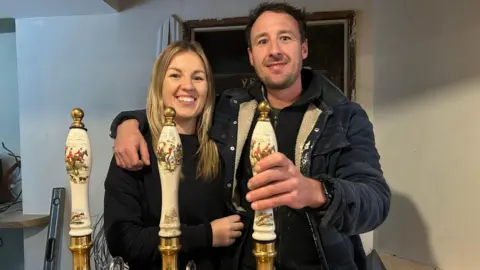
(7, 25)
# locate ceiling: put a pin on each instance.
(46, 8)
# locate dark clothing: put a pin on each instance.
(133, 206)
(330, 139)
(287, 119)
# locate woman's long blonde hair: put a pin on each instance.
(209, 160)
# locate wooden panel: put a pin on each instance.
(226, 81)
(13, 217)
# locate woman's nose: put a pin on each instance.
(187, 85)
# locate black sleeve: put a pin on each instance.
(361, 196)
(126, 233)
(139, 115)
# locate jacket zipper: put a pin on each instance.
(311, 222)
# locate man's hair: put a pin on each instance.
(297, 14)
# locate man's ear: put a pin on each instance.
(304, 49)
(250, 56)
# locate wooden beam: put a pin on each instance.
(122, 5)
(7, 25)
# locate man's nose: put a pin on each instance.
(274, 49)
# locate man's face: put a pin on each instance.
(277, 51)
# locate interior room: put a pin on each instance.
(412, 65)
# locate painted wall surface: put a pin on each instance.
(427, 91)
(102, 63)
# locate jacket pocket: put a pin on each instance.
(338, 249)
(327, 150)
(333, 137)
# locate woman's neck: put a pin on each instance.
(186, 127)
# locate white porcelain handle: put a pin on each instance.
(78, 161)
(169, 154)
(263, 143)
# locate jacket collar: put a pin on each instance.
(317, 89)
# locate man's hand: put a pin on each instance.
(278, 182)
(128, 143)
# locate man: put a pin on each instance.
(325, 183)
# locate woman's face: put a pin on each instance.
(185, 86)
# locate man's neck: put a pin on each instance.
(280, 99)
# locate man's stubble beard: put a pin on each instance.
(287, 82)
(284, 84)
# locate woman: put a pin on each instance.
(181, 79)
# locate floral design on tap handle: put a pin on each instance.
(78, 218)
(76, 165)
(169, 155)
(260, 147)
(171, 217)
